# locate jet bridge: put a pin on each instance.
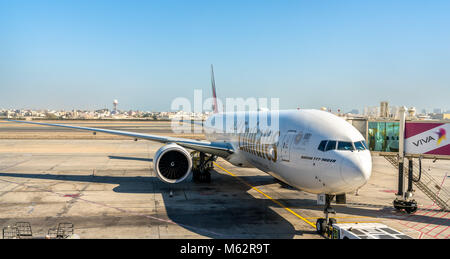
(397, 140)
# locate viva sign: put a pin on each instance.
(427, 138)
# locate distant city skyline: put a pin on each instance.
(392, 109)
(112, 108)
(337, 54)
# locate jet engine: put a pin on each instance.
(172, 163)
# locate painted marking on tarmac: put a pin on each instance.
(267, 196)
(305, 219)
(358, 222)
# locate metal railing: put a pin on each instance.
(425, 182)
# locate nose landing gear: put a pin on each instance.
(323, 225)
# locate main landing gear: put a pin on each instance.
(201, 166)
(323, 224)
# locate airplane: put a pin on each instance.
(312, 150)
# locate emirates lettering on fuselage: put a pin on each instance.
(263, 145)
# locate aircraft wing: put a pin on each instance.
(214, 148)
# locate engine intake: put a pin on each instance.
(172, 163)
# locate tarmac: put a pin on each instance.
(106, 187)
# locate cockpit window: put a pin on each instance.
(364, 143)
(359, 145)
(326, 145)
(331, 145)
(345, 146)
(322, 145)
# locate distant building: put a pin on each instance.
(115, 103)
(436, 116)
(372, 111)
(384, 109)
(411, 113)
(423, 117)
(437, 110)
(393, 112)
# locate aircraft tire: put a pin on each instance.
(321, 226)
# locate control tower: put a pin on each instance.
(115, 102)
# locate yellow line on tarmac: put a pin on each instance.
(359, 222)
(344, 217)
(272, 199)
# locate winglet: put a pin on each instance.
(213, 85)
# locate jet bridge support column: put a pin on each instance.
(400, 179)
(410, 176)
(401, 149)
(403, 199)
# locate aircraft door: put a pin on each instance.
(286, 145)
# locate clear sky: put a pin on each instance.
(339, 54)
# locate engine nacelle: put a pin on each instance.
(172, 163)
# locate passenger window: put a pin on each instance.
(322, 145)
(331, 145)
(345, 145)
(359, 145)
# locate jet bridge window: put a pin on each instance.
(322, 145)
(342, 145)
(331, 145)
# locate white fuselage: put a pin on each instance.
(288, 148)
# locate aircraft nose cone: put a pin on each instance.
(356, 170)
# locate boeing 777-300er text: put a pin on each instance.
(312, 150)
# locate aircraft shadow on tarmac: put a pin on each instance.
(222, 208)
